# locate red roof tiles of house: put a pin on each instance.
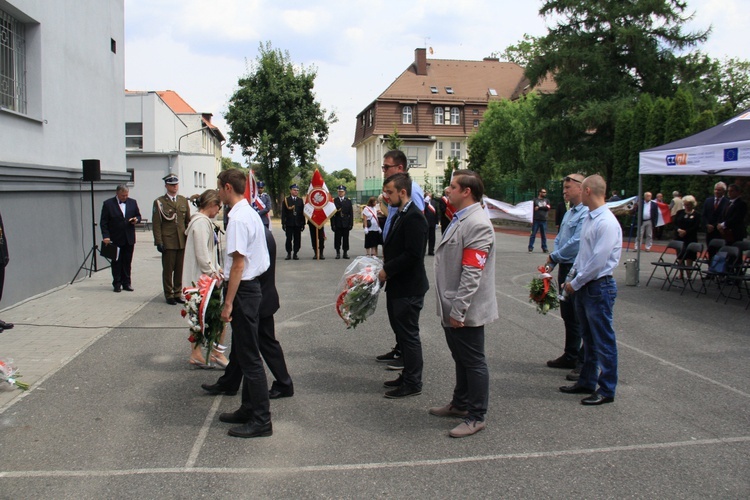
(175, 102)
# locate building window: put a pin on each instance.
(12, 63)
(134, 135)
(369, 119)
(439, 116)
(448, 90)
(455, 116)
(438, 150)
(434, 90)
(406, 115)
(456, 150)
(131, 172)
(113, 45)
(475, 112)
(476, 123)
(363, 122)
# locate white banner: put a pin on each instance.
(523, 212)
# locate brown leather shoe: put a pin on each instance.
(447, 411)
(467, 428)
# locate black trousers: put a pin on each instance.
(321, 234)
(341, 239)
(121, 266)
(431, 239)
(272, 354)
(573, 343)
(403, 315)
(293, 236)
(472, 375)
(246, 348)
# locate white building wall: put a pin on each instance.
(75, 111)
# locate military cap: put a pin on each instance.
(261, 184)
(294, 186)
(341, 188)
(171, 179)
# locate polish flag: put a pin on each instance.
(251, 191)
(664, 214)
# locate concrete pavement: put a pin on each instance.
(116, 412)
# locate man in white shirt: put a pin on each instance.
(246, 259)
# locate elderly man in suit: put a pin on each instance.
(406, 282)
(732, 226)
(650, 218)
(465, 286)
(119, 216)
(171, 215)
(293, 221)
(713, 209)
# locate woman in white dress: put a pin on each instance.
(202, 257)
(373, 233)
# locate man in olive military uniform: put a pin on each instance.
(342, 222)
(293, 221)
(170, 217)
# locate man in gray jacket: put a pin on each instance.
(465, 285)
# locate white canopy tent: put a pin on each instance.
(720, 150)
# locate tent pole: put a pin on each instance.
(638, 231)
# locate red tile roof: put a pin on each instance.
(175, 102)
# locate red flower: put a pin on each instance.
(183, 312)
(191, 339)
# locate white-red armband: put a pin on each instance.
(474, 258)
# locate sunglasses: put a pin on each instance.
(571, 179)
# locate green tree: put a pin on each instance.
(227, 163)
(680, 117)
(393, 141)
(621, 151)
(274, 118)
(601, 53)
(523, 52)
(734, 79)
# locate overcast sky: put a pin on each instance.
(200, 49)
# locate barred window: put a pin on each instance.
(12, 63)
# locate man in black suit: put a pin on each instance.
(732, 226)
(293, 221)
(342, 222)
(713, 208)
(406, 282)
(119, 216)
(270, 348)
(430, 213)
(4, 259)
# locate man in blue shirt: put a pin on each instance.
(565, 252)
(595, 290)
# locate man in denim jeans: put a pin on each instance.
(595, 291)
(541, 209)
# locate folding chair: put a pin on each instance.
(692, 271)
(742, 245)
(709, 275)
(712, 248)
(740, 280)
(666, 265)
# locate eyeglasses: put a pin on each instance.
(386, 167)
(571, 179)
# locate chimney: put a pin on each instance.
(420, 61)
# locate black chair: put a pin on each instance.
(664, 263)
(742, 245)
(688, 273)
(719, 276)
(712, 248)
(740, 280)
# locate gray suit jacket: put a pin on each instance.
(466, 292)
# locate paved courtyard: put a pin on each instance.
(115, 411)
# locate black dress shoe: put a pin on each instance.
(403, 391)
(235, 417)
(321, 257)
(127, 288)
(179, 300)
(338, 255)
(390, 384)
(276, 393)
(6, 326)
(118, 289)
(295, 257)
(288, 257)
(171, 301)
(596, 399)
(216, 389)
(346, 255)
(251, 430)
(575, 389)
(562, 362)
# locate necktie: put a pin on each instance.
(716, 203)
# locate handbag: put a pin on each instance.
(718, 263)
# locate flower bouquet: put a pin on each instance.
(202, 309)
(9, 376)
(544, 292)
(358, 290)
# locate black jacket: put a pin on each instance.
(269, 301)
(344, 216)
(292, 212)
(734, 218)
(403, 252)
(116, 227)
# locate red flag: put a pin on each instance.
(318, 206)
(251, 191)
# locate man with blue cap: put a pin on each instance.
(171, 214)
(342, 222)
(293, 221)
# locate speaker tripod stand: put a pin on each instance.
(89, 262)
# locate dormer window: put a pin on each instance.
(492, 92)
(448, 90)
(434, 90)
(406, 115)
